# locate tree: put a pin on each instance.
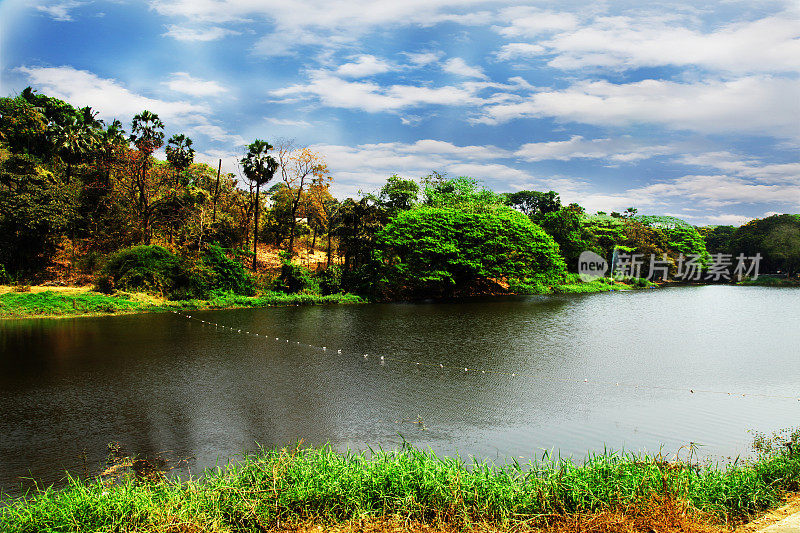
(432, 251)
(567, 227)
(299, 167)
(463, 193)
(399, 194)
(783, 244)
(259, 168)
(534, 203)
(180, 153)
(147, 134)
(76, 138)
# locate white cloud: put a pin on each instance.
(188, 33)
(333, 91)
(728, 220)
(182, 82)
(60, 11)
(762, 105)
(519, 50)
(423, 58)
(107, 96)
(459, 67)
(364, 65)
(770, 44)
(216, 133)
(288, 122)
(367, 166)
(622, 150)
(530, 22)
(112, 100)
(752, 168)
(721, 190)
(321, 23)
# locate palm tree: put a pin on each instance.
(73, 141)
(112, 137)
(180, 153)
(259, 168)
(147, 134)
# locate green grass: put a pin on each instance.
(771, 281)
(19, 304)
(574, 285)
(53, 303)
(318, 484)
(232, 301)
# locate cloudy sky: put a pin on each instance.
(686, 109)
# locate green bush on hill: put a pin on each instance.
(155, 269)
(432, 251)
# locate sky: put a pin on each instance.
(683, 109)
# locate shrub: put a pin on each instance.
(441, 251)
(155, 269)
(229, 275)
(330, 280)
(295, 278)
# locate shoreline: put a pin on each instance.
(46, 302)
(317, 487)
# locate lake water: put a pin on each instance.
(608, 370)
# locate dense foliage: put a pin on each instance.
(444, 251)
(83, 200)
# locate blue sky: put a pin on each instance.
(686, 109)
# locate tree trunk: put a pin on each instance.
(216, 191)
(329, 250)
(255, 228)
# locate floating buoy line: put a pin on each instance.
(467, 370)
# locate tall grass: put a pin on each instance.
(14, 304)
(278, 487)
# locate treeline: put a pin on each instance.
(85, 198)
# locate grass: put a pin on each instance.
(275, 488)
(77, 302)
(574, 285)
(771, 281)
(53, 303)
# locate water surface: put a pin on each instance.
(160, 382)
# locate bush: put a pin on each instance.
(330, 280)
(4, 277)
(229, 274)
(441, 252)
(156, 270)
(295, 278)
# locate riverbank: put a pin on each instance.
(65, 302)
(290, 489)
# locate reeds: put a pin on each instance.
(274, 489)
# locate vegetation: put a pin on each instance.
(51, 303)
(281, 487)
(83, 201)
(441, 251)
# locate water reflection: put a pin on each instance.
(160, 383)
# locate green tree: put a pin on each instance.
(180, 153)
(259, 168)
(535, 203)
(399, 194)
(147, 134)
(432, 251)
(75, 140)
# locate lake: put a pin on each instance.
(612, 370)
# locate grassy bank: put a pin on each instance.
(45, 302)
(278, 488)
(771, 281)
(70, 302)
